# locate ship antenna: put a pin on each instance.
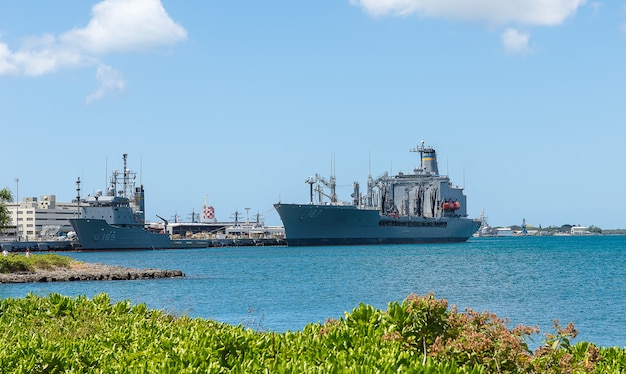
(124, 157)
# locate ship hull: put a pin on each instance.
(317, 225)
(97, 234)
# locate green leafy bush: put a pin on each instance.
(56, 334)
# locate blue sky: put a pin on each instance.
(241, 101)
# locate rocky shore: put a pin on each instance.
(80, 271)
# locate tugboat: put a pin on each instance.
(422, 207)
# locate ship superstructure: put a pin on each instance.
(420, 207)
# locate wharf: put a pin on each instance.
(73, 245)
(237, 242)
(41, 246)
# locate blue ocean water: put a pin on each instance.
(529, 280)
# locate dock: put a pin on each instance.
(74, 246)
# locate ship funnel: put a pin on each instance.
(139, 198)
(140, 212)
(428, 158)
(429, 161)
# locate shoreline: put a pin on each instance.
(82, 271)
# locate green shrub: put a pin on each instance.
(18, 263)
(13, 264)
(56, 334)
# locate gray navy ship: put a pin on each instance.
(116, 220)
(422, 207)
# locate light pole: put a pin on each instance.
(17, 208)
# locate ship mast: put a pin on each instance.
(310, 181)
(78, 197)
(125, 157)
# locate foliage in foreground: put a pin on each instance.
(16, 263)
(420, 335)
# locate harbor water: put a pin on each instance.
(529, 280)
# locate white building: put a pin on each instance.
(504, 231)
(40, 218)
(579, 230)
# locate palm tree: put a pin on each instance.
(5, 196)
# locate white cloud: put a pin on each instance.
(115, 26)
(6, 64)
(110, 81)
(528, 12)
(492, 12)
(515, 41)
(125, 25)
(39, 56)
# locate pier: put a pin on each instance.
(73, 245)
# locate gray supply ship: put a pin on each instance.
(423, 207)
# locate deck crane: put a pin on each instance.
(330, 184)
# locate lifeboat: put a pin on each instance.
(451, 205)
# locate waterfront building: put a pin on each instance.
(504, 231)
(42, 218)
(579, 230)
